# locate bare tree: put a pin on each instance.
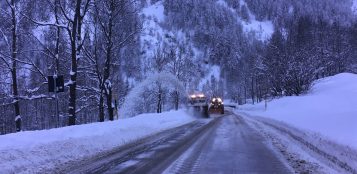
(111, 17)
(10, 59)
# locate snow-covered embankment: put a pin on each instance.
(33, 151)
(329, 108)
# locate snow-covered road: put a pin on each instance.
(232, 143)
(220, 145)
(151, 154)
(230, 147)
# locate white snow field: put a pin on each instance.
(33, 151)
(328, 109)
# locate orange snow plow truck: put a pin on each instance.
(216, 106)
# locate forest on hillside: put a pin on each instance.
(99, 47)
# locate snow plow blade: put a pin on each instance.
(216, 110)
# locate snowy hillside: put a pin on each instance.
(156, 37)
(262, 29)
(329, 109)
(152, 34)
(32, 151)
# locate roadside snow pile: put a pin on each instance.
(329, 109)
(33, 151)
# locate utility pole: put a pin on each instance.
(56, 98)
(56, 85)
(265, 102)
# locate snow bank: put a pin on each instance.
(31, 151)
(329, 109)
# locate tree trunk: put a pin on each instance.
(72, 88)
(101, 107)
(159, 100)
(58, 35)
(252, 90)
(108, 62)
(18, 119)
(110, 104)
(245, 93)
(176, 100)
(75, 34)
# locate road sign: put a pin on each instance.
(51, 84)
(60, 84)
(55, 84)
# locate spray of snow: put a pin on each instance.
(134, 101)
(214, 71)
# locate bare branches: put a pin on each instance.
(128, 37)
(75, 37)
(10, 5)
(5, 39)
(64, 13)
(30, 62)
(86, 6)
(4, 60)
(46, 23)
